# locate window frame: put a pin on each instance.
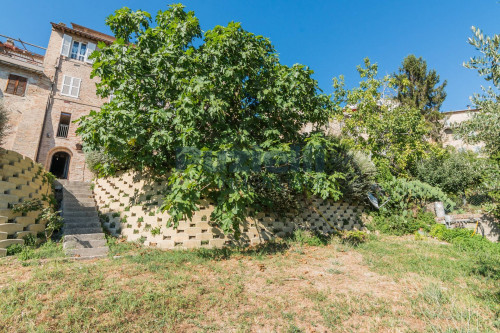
(71, 86)
(79, 50)
(58, 131)
(17, 84)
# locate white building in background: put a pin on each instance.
(451, 119)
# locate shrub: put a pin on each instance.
(101, 164)
(404, 223)
(454, 172)
(14, 249)
(354, 237)
(405, 194)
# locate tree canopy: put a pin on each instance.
(396, 135)
(223, 93)
(419, 88)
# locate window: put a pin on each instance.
(70, 86)
(16, 85)
(63, 128)
(78, 51)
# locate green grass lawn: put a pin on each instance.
(394, 284)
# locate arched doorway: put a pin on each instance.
(59, 165)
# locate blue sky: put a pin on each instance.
(331, 37)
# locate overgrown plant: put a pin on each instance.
(454, 171)
(396, 135)
(405, 194)
(47, 206)
(222, 93)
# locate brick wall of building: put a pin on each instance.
(56, 67)
(25, 112)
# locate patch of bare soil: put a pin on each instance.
(327, 289)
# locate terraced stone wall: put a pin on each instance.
(129, 206)
(20, 180)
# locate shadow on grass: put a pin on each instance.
(135, 252)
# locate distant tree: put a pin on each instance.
(419, 88)
(395, 135)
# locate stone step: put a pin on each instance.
(76, 205)
(84, 244)
(75, 192)
(78, 231)
(71, 188)
(82, 212)
(92, 252)
(89, 224)
(84, 237)
(79, 197)
(76, 219)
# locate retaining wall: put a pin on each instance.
(129, 206)
(21, 179)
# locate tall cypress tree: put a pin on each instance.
(418, 87)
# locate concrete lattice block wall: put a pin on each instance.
(129, 207)
(20, 180)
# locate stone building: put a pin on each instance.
(46, 95)
(24, 92)
(451, 119)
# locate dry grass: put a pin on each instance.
(387, 285)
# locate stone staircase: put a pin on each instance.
(83, 236)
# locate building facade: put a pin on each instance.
(58, 91)
(450, 120)
(25, 89)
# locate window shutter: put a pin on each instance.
(21, 86)
(66, 85)
(16, 85)
(90, 49)
(66, 45)
(75, 89)
(11, 85)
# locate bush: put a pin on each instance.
(403, 223)
(454, 172)
(406, 194)
(100, 163)
(358, 169)
(14, 249)
(354, 237)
